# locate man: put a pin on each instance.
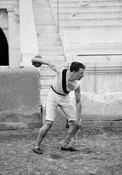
(66, 80)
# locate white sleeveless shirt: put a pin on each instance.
(70, 85)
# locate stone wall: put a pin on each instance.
(102, 77)
(98, 111)
(19, 98)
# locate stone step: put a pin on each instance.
(48, 43)
(105, 64)
(47, 72)
(98, 49)
(86, 23)
(44, 92)
(45, 87)
(51, 36)
(74, 21)
(69, 1)
(41, 19)
(46, 29)
(49, 40)
(46, 22)
(46, 78)
(45, 17)
(10, 2)
(52, 53)
(107, 59)
(42, 10)
(93, 15)
(44, 14)
(89, 10)
(91, 41)
(56, 58)
(89, 27)
(89, 4)
(41, 4)
(51, 48)
(46, 82)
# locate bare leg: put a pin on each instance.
(73, 128)
(43, 131)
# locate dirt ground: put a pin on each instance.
(100, 153)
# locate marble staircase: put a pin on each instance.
(98, 22)
(87, 13)
(55, 19)
(49, 43)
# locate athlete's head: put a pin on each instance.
(77, 69)
(75, 66)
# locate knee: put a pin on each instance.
(73, 124)
(49, 123)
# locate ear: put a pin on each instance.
(73, 71)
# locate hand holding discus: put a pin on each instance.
(36, 63)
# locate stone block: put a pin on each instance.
(33, 125)
(96, 124)
(117, 125)
(19, 95)
(13, 126)
(106, 106)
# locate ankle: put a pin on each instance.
(37, 146)
(64, 145)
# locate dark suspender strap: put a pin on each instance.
(56, 91)
(64, 81)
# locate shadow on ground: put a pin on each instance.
(100, 153)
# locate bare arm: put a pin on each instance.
(46, 62)
(78, 103)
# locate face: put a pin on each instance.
(79, 75)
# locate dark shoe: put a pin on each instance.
(69, 149)
(37, 150)
(67, 124)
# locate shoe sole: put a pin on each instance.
(69, 149)
(37, 151)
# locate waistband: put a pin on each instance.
(56, 91)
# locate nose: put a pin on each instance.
(82, 75)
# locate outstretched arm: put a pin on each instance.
(45, 62)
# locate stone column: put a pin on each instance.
(13, 36)
(28, 36)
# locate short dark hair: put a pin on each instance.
(75, 66)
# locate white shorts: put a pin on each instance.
(64, 102)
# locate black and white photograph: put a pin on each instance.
(60, 87)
